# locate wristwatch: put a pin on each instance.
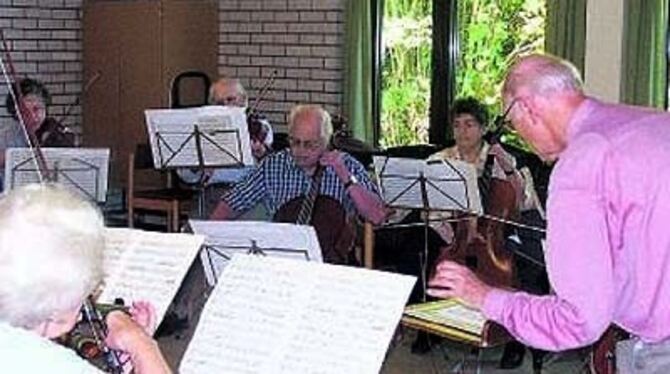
(352, 180)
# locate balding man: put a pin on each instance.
(608, 210)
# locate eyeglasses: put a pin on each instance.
(505, 121)
(310, 145)
(226, 100)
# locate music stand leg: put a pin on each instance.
(424, 258)
(201, 201)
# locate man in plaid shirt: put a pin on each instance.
(287, 174)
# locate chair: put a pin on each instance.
(189, 89)
(169, 201)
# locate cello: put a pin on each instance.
(333, 227)
(486, 255)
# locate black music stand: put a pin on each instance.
(81, 170)
(200, 138)
(226, 238)
(414, 185)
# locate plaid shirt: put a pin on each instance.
(278, 179)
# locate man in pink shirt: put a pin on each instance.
(608, 242)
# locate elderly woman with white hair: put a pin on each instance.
(51, 246)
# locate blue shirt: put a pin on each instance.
(278, 179)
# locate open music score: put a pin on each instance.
(147, 266)
(225, 238)
(447, 185)
(453, 320)
(208, 136)
(273, 315)
(83, 171)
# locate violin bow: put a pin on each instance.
(9, 75)
(77, 100)
(264, 90)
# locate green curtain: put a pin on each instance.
(644, 60)
(565, 33)
(359, 69)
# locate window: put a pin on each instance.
(474, 44)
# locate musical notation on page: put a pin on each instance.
(448, 185)
(146, 266)
(222, 137)
(223, 239)
(83, 171)
(282, 316)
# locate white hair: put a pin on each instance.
(51, 246)
(225, 82)
(325, 124)
(542, 75)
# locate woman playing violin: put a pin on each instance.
(34, 100)
(47, 269)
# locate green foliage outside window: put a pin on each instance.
(492, 34)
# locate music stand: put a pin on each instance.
(81, 170)
(199, 138)
(429, 186)
(272, 239)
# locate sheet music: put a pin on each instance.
(81, 170)
(149, 266)
(224, 136)
(225, 238)
(450, 184)
(272, 315)
(449, 312)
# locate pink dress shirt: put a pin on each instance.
(608, 244)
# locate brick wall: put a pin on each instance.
(44, 37)
(300, 40)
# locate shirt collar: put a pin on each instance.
(580, 117)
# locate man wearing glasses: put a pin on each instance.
(287, 174)
(608, 212)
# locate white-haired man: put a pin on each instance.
(287, 174)
(51, 246)
(608, 243)
(231, 92)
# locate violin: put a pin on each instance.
(87, 336)
(255, 119)
(54, 130)
(53, 133)
(257, 130)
